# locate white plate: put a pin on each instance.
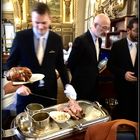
(35, 77)
(59, 116)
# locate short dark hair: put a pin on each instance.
(41, 8)
(131, 22)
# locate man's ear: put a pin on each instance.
(128, 29)
(95, 24)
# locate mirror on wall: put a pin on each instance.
(8, 33)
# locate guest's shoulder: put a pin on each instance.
(120, 41)
(24, 32)
(81, 37)
(119, 44)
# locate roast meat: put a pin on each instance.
(74, 110)
(19, 74)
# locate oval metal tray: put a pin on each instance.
(94, 113)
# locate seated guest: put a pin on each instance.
(108, 130)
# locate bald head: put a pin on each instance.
(102, 19)
(101, 25)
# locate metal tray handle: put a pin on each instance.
(99, 107)
(9, 132)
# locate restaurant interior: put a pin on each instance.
(70, 18)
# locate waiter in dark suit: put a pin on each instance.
(26, 51)
(84, 58)
(123, 63)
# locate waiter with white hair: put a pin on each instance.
(84, 58)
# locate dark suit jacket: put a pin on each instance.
(119, 63)
(23, 54)
(83, 63)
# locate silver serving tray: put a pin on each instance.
(94, 113)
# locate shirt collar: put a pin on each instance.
(130, 43)
(93, 35)
(38, 36)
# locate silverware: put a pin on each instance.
(45, 97)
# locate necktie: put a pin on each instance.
(40, 54)
(133, 52)
(40, 51)
(97, 48)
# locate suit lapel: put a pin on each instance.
(32, 47)
(128, 57)
(136, 65)
(32, 43)
(100, 42)
(126, 51)
(89, 37)
(136, 61)
(48, 46)
(92, 45)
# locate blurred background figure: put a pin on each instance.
(67, 52)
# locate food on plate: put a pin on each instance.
(19, 74)
(59, 116)
(73, 108)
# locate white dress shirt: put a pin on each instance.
(132, 49)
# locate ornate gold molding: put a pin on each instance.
(17, 13)
(67, 4)
(113, 7)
